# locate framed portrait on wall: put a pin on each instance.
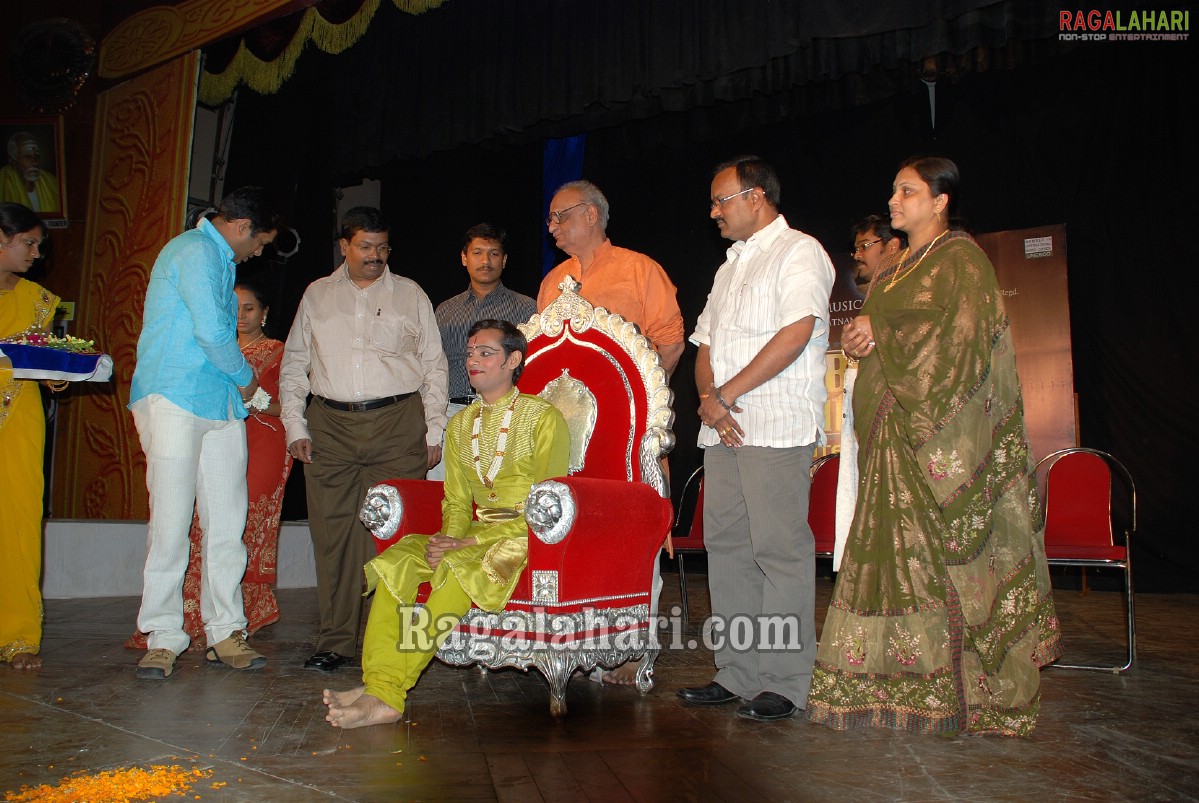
(34, 169)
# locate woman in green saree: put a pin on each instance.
(942, 612)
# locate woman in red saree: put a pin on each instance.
(266, 475)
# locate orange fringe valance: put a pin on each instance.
(266, 77)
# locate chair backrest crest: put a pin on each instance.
(608, 381)
(578, 406)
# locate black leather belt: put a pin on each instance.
(362, 407)
(462, 400)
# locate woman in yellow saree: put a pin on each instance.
(22, 441)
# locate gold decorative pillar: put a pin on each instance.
(137, 202)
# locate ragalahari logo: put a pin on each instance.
(1124, 26)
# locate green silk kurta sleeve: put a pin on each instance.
(456, 509)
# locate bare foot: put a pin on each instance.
(623, 675)
(26, 660)
(341, 699)
(366, 710)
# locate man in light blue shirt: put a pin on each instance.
(188, 400)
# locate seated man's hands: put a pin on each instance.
(440, 544)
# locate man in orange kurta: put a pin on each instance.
(625, 282)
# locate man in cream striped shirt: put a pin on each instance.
(760, 370)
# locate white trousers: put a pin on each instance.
(192, 463)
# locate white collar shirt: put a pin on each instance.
(776, 277)
(355, 344)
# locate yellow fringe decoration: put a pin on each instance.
(415, 7)
(266, 77)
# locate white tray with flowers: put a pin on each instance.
(37, 354)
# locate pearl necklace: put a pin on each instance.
(501, 443)
(901, 274)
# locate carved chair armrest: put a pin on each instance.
(602, 536)
(396, 508)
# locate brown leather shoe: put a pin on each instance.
(157, 664)
(234, 652)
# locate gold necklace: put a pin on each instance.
(901, 274)
(255, 340)
(501, 444)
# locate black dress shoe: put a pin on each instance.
(712, 694)
(768, 706)
(326, 661)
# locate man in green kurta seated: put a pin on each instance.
(496, 449)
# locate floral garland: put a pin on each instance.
(500, 446)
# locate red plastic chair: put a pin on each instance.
(687, 535)
(1079, 529)
(822, 503)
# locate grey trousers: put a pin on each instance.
(761, 563)
(352, 452)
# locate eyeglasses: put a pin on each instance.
(366, 248)
(863, 246)
(721, 201)
(560, 215)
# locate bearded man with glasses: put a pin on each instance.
(365, 344)
(873, 241)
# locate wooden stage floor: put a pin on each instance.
(474, 736)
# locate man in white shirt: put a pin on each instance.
(760, 371)
(365, 344)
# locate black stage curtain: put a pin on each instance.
(475, 70)
(1096, 136)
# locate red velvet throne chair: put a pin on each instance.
(594, 535)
